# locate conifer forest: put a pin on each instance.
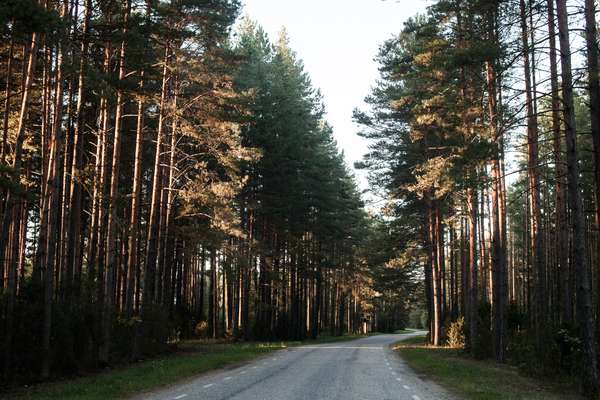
(168, 173)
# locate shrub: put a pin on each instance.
(456, 334)
(521, 351)
(570, 351)
(201, 329)
(482, 344)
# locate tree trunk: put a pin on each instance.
(473, 306)
(74, 232)
(53, 201)
(111, 227)
(541, 304)
(560, 174)
(135, 206)
(155, 206)
(584, 301)
(591, 37)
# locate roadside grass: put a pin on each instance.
(479, 380)
(406, 331)
(191, 358)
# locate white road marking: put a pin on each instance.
(207, 386)
(243, 372)
(399, 380)
(181, 396)
(416, 397)
(405, 387)
(227, 378)
(254, 367)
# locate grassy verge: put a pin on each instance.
(405, 331)
(478, 380)
(192, 358)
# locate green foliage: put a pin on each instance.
(417, 318)
(24, 17)
(300, 191)
(482, 345)
(570, 351)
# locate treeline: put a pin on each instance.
(160, 180)
(485, 129)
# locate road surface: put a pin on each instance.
(363, 369)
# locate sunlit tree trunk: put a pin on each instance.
(73, 262)
(135, 207)
(53, 201)
(156, 191)
(111, 268)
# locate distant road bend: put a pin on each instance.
(363, 369)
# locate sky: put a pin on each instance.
(337, 41)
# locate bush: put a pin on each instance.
(570, 351)
(201, 329)
(521, 351)
(154, 331)
(125, 337)
(482, 344)
(456, 334)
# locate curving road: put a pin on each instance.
(363, 369)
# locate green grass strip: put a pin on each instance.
(478, 380)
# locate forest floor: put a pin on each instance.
(191, 358)
(480, 379)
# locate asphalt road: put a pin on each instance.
(363, 369)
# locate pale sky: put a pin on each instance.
(337, 40)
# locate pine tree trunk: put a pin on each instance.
(53, 201)
(155, 206)
(436, 318)
(473, 305)
(591, 37)
(584, 300)
(135, 206)
(541, 304)
(73, 260)
(560, 174)
(213, 301)
(111, 227)
(12, 198)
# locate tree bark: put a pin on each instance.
(541, 302)
(473, 306)
(111, 227)
(584, 301)
(135, 206)
(155, 206)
